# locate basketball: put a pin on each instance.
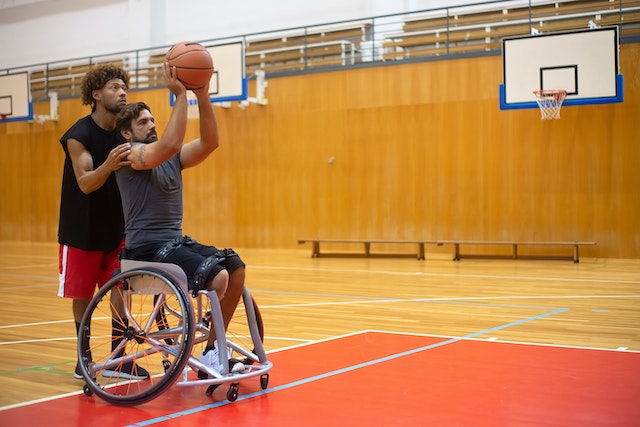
(193, 63)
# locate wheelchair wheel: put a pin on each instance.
(121, 339)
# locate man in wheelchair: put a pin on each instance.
(151, 190)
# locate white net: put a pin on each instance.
(550, 102)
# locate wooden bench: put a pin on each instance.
(476, 18)
(630, 25)
(464, 17)
(340, 52)
(438, 34)
(63, 86)
(315, 251)
(299, 38)
(65, 80)
(147, 72)
(442, 49)
(288, 66)
(430, 37)
(295, 53)
(457, 255)
(146, 78)
(441, 41)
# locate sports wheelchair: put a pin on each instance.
(143, 316)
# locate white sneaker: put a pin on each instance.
(211, 359)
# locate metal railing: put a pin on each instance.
(464, 30)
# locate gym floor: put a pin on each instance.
(366, 341)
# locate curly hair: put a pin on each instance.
(97, 77)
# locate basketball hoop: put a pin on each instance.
(3, 117)
(550, 102)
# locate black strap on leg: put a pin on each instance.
(166, 250)
(204, 273)
(226, 253)
(171, 246)
(187, 241)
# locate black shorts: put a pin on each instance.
(188, 256)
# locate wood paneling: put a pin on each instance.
(420, 151)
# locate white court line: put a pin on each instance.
(499, 341)
(4, 271)
(21, 325)
(21, 257)
(79, 392)
(39, 340)
(52, 322)
(430, 274)
(44, 399)
(337, 337)
(443, 299)
(74, 338)
(389, 272)
(322, 376)
(383, 301)
(25, 287)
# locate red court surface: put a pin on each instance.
(383, 379)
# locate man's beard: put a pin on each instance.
(113, 109)
(151, 137)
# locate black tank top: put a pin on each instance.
(94, 221)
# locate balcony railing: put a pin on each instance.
(464, 30)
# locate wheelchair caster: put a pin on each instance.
(87, 391)
(264, 381)
(232, 394)
(211, 389)
(166, 365)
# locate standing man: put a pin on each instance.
(151, 189)
(91, 227)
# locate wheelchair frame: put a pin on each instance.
(143, 317)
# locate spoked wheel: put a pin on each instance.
(135, 337)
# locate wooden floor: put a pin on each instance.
(593, 305)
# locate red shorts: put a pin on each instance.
(81, 271)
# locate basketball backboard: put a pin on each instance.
(584, 63)
(15, 98)
(228, 82)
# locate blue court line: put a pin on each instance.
(344, 370)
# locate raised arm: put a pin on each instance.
(198, 150)
(152, 154)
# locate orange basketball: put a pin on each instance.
(193, 64)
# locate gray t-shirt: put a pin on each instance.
(152, 202)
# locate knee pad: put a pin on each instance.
(206, 271)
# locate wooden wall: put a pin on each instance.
(419, 151)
